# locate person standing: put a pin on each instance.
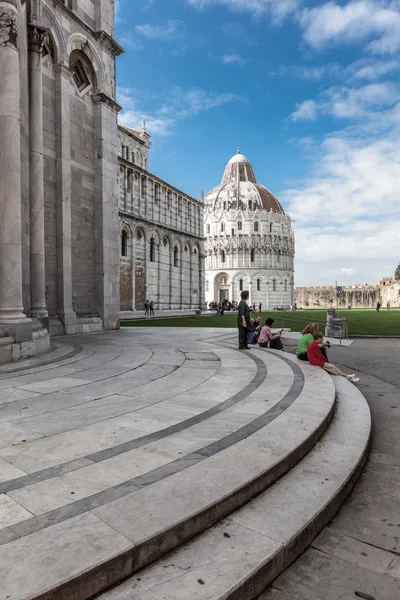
(378, 306)
(388, 305)
(259, 307)
(146, 308)
(243, 320)
(151, 307)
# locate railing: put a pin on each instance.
(304, 322)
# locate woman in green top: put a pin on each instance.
(306, 338)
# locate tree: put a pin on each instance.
(397, 272)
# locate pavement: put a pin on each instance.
(358, 554)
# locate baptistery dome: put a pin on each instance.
(239, 189)
(250, 241)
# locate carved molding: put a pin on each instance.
(37, 37)
(109, 43)
(102, 98)
(8, 26)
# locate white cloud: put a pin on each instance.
(230, 59)
(278, 9)
(346, 102)
(178, 104)
(348, 210)
(375, 21)
(348, 270)
(169, 31)
(306, 110)
(372, 69)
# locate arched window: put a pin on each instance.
(255, 225)
(250, 205)
(222, 256)
(274, 285)
(133, 157)
(252, 256)
(240, 285)
(223, 280)
(285, 285)
(124, 243)
(208, 228)
(175, 256)
(270, 227)
(224, 205)
(258, 285)
(239, 225)
(222, 227)
(152, 250)
(207, 286)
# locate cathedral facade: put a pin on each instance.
(59, 233)
(161, 234)
(249, 240)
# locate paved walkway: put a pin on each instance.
(358, 555)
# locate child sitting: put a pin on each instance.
(316, 358)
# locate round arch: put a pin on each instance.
(57, 35)
(78, 41)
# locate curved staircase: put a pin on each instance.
(203, 474)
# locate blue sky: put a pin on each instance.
(309, 89)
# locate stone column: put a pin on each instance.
(106, 211)
(64, 216)
(11, 307)
(36, 189)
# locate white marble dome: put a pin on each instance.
(239, 189)
(249, 240)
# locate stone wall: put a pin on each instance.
(355, 296)
(80, 162)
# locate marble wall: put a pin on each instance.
(161, 234)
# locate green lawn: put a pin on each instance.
(362, 321)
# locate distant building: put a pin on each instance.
(249, 240)
(356, 296)
(161, 234)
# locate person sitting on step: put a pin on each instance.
(267, 339)
(305, 341)
(316, 358)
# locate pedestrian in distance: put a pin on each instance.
(316, 358)
(388, 305)
(151, 308)
(243, 320)
(378, 306)
(259, 307)
(146, 308)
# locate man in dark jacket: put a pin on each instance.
(243, 320)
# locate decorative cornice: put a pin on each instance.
(102, 98)
(109, 43)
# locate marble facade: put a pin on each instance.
(249, 240)
(161, 234)
(59, 235)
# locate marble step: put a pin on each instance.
(240, 556)
(75, 555)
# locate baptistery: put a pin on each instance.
(249, 240)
